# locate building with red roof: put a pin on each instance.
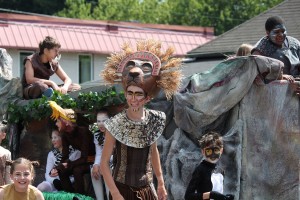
(85, 44)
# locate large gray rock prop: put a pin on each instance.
(10, 88)
(5, 67)
(259, 123)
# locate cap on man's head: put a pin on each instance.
(272, 22)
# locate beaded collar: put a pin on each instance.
(137, 134)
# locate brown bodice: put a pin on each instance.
(40, 70)
(132, 165)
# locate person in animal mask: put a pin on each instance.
(133, 133)
(207, 179)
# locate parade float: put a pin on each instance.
(257, 115)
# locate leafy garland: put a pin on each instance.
(87, 103)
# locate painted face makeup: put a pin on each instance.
(278, 34)
(21, 177)
(212, 154)
(135, 96)
(101, 118)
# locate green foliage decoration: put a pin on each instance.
(87, 103)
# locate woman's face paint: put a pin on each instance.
(212, 154)
(278, 34)
(101, 118)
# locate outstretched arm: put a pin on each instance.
(161, 190)
(65, 78)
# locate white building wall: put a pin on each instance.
(15, 54)
(99, 62)
(68, 61)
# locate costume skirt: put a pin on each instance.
(133, 193)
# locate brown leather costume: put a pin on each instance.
(150, 69)
(82, 139)
(42, 71)
(132, 156)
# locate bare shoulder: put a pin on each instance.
(39, 195)
(28, 63)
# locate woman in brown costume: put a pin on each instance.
(80, 138)
(133, 133)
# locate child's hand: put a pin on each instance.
(61, 167)
(218, 196)
(53, 173)
(288, 78)
(162, 193)
(96, 171)
(55, 86)
(230, 196)
(64, 90)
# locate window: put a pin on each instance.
(85, 68)
(23, 55)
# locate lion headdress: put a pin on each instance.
(158, 69)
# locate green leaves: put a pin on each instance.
(77, 9)
(222, 14)
(86, 103)
(95, 101)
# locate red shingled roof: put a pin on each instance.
(92, 36)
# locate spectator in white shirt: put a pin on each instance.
(52, 182)
(99, 137)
